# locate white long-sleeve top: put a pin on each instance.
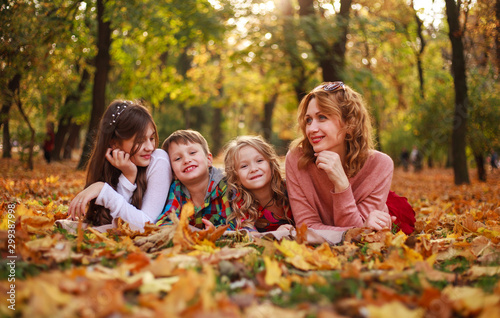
(159, 177)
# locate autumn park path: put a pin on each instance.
(450, 267)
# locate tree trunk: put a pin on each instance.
(339, 46)
(32, 131)
(13, 87)
(65, 121)
(497, 36)
(182, 66)
(267, 122)
(420, 53)
(102, 63)
(461, 99)
(481, 171)
(59, 140)
(187, 117)
(331, 58)
(4, 116)
(217, 131)
(297, 67)
(69, 145)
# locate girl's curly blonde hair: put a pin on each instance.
(348, 105)
(249, 207)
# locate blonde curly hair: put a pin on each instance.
(249, 208)
(348, 105)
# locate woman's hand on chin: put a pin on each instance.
(331, 164)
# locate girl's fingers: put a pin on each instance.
(207, 223)
(71, 210)
(108, 155)
(82, 204)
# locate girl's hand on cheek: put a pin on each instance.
(330, 163)
(121, 160)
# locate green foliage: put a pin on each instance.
(484, 114)
(23, 270)
(189, 58)
(455, 265)
(488, 283)
(335, 288)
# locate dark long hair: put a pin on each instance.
(122, 120)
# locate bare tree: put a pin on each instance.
(459, 133)
(102, 63)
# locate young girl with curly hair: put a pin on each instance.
(258, 193)
(335, 179)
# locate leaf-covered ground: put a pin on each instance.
(451, 268)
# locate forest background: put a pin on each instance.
(428, 70)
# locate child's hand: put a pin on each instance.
(330, 163)
(121, 160)
(78, 205)
(378, 220)
(208, 225)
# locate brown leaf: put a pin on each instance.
(301, 233)
(137, 261)
(157, 240)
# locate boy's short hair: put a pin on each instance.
(184, 137)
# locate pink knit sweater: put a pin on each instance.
(313, 199)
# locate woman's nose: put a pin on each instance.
(313, 126)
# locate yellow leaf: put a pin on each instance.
(394, 309)
(412, 256)
(477, 271)
(152, 285)
(205, 246)
(273, 271)
(52, 179)
(398, 239)
(42, 244)
(469, 300)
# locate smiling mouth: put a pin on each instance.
(146, 156)
(190, 168)
(315, 140)
(255, 177)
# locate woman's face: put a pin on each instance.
(142, 157)
(324, 132)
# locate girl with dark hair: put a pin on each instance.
(127, 176)
(335, 179)
(258, 192)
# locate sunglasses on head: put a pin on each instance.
(332, 86)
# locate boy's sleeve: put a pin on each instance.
(173, 203)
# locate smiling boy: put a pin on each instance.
(196, 180)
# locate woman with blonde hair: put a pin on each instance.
(335, 179)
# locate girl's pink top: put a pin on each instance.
(313, 199)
